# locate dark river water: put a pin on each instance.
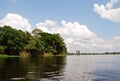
(69, 68)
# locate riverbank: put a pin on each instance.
(49, 55)
(26, 55)
(106, 53)
(6, 56)
(11, 56)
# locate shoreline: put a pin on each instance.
(49, 55)
(107, 53)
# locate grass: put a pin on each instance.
(23, 55)
(11, 56)
(7, 56)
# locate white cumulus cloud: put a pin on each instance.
(110, 4)
(16, 21)
(79, 37)
(108, 12)
(75, 35)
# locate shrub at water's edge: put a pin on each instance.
(17, 42)
(50, 55)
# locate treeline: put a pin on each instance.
(14, 42)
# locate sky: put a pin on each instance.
(85, 25)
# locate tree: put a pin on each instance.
(37, 32)
(2, 46)
(53, 43)
(13, 41)
(39, 45)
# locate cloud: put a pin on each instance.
(75, 35)
(110, 4)
(16, 21)
(116, 43)
(79, 37)
(107, 12)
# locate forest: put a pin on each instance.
(16, 42)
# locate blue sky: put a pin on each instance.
(69, 10)
(82, 11)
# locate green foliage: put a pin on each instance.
(53, 43)
(11, 39)
(14, 41)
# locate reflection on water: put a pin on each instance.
(69, 68)
(25, 69)
(93, 68)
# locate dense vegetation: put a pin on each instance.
(14, 41)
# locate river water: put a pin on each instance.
(67, 68)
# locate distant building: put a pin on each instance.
(78, 52)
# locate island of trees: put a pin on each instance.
(16, 42)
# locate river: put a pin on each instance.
(61, 68)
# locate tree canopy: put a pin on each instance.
(14, 41)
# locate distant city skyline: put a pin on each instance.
(88, 26)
